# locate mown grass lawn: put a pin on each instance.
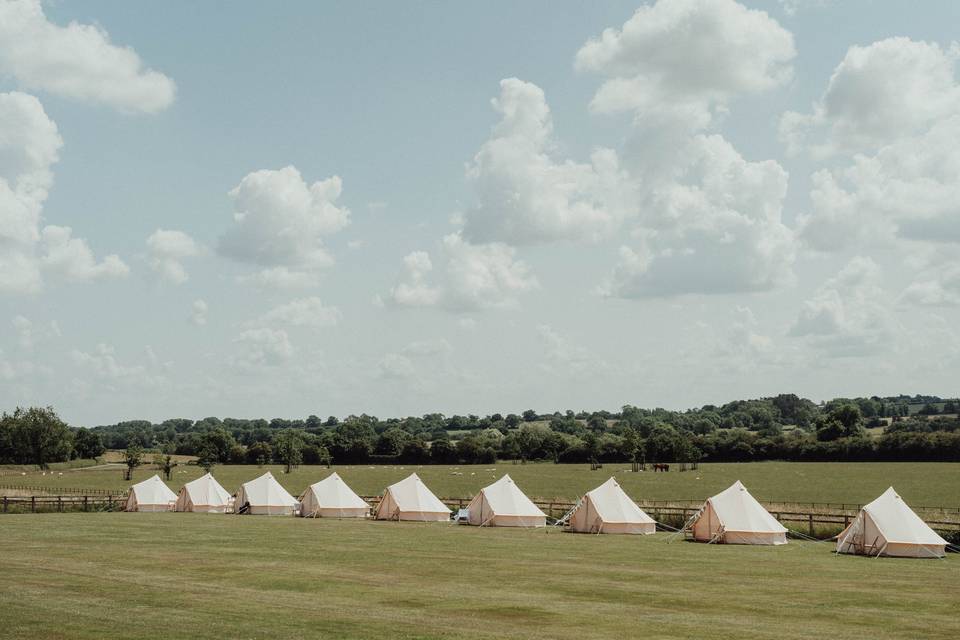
(214, 576)
(935, 484)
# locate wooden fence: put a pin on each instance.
(48, 503)
(61, 490)
(805, 521)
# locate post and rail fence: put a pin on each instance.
(795, 516)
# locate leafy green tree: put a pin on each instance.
(87, 444)
(165, 463)
(35, 435)
(219, 442)
(259, 453)
(842, 421)
(207, 457)
(443, 452)
(288, 448)
(132, 458)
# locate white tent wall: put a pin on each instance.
(411, 500)
(332, 498)
(608, 509)
(204, 495)
(503, 504)
(889, 527)
(733, 516)
(265, 496)
(151, 495)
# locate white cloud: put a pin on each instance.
(103, 363)
(29, 146)
(262, 347)
(744, 346)
(395, 365)
(685, 59)
(302, 312)
(848, 315)
(473, 277)
(77, 61)
(524, 195)
(198, 312)
(938, 282)
(279, 224)
(166, 251)
(714, 227)
(892, 111)
(563, 357)
(418, 360)
(71, 258)
(29, 333)
(879, 94)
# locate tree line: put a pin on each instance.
(783, 427)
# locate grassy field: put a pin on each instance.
(934, 484)
(207, 576)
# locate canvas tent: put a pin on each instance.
(332, 498)
(410, 499)
(204, 495)
(265, 496)
(889, 527)
(734, 516)
(608, 509)
(150, 495)
(502, 504)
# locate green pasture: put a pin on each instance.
(132, 575)
(921, 484)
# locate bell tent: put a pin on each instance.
(332, 498)
(265, 496)
(608, 509)
(204, 495)
(889, 527)
(734, 516)
(502, 504)
(410, 499)
(150, 495)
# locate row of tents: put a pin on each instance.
(887, 526)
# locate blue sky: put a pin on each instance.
(333, 209)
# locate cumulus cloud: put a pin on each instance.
(302, 312)
(848, 315)
(166, 251)
(563, 357)
(198, 312)
(524, 194)
(262, 347)
(29, 146)
(279, 224)
(77, 61)
(743, 346)
(29, 333)
(889, 90)
(409, 361)
(685, 59)
(715, 227)
(473, 277)
(894, 109)
(103, 363)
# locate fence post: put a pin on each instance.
(810, 515)
(4, 504)
(85, 502)
(60, 504)
(33, 504)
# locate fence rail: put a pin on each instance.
(47, 504)
(676, 513)
(61, 490)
